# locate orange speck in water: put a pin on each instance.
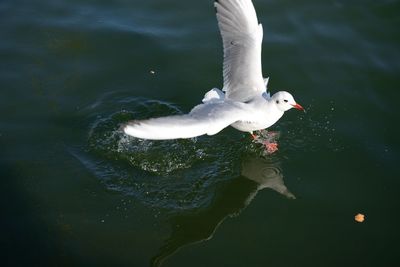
(359, 217)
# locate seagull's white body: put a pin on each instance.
(246, 105)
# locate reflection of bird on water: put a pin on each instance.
(230, 198)
(265, 174)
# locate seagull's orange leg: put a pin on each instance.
(267, 139)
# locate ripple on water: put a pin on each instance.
(171, 174)
(157, 157)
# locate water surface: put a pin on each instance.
(76, 191)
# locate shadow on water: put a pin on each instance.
(231, 197)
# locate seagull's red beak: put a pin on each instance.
(297, 106)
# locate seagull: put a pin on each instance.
(244, 102)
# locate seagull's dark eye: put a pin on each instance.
(285, 100)
(277, 101)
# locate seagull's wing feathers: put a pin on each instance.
(242, 37)
(208, 118)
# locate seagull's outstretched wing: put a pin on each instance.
(242, 37)
(208, 118)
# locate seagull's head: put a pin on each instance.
(285, 101)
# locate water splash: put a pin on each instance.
(171, 175)
(310, 132)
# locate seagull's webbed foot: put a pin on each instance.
(268, 139)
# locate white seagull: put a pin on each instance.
(244, 102)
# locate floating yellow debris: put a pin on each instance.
(359, 217)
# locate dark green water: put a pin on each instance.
(76, 192)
